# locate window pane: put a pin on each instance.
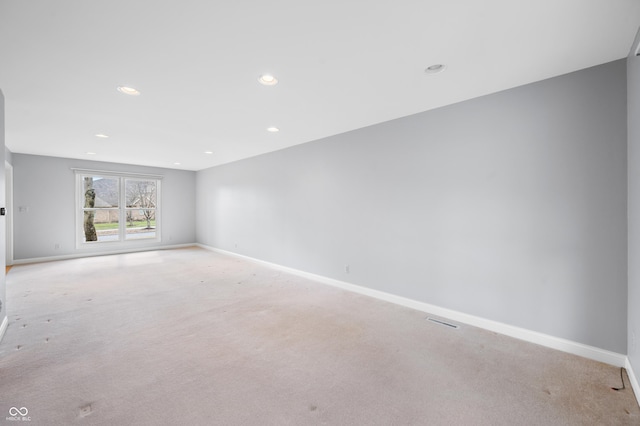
(102, 192)
(141, 223)
(140, 193)
(107, 226)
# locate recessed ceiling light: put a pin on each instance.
(128, 90)
(177, 164)
(268, 80)
(434, 69)
(91, 153)
(208, 152)
(101, 136)
(272, 129)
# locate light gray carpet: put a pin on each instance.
(193, 337)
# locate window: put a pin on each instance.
(117, 207)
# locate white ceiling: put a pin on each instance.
(342, 65)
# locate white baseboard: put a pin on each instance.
(3, 326)
(553, 342)
(92, 254)
(633, 379)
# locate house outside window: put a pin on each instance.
(114, 208)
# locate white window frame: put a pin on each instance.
(80, 174)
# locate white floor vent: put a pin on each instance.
(448, 324)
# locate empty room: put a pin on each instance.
(337, 213)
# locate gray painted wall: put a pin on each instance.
(3, 305)
(46, 185)
(511, 207)
(633, 111)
